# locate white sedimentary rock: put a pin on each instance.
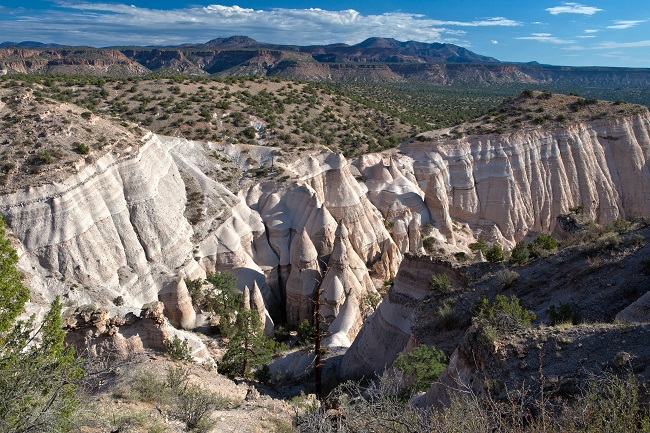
(521, 181)
(103, 229)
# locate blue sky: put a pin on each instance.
(605, 33)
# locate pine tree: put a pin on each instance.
(223, 299)
(38, 374)
(248, 347)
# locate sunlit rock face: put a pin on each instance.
(117, 228)
(519, 182)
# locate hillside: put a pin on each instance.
(121, 194)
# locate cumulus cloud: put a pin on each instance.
(494, 42)
(625, 24)
(573, 8)
(103, 24)
(546, 37)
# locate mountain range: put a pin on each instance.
(373, 60)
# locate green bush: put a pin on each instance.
(520, 253)
(503, 313)
(439, 283)
(494, 254)
(447, 313)
(195, 289)
(562, 314)
(306, 333)
(81, 148)
(479, 245)
(429, 245)
(619, 226)
(422, 366)
(38, 373)
(178, 349)
(546, 242)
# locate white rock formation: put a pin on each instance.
(102, 230)
(521, 181)
(303, 280)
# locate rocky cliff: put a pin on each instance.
(142, 212)
(511, 184)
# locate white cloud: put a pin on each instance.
(103, 24)
(497, 21)
(494, 42)
(591, 31)
(546, 37)
(573, 8)
(625, 24)
(612, 45)
(586, 37)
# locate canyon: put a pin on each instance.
(115, 223)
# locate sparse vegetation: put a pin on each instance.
(420, 367)
(439, 283)
(503, 313)
(178, 349)
(562, 314)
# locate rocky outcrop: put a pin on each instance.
(92, 61)
(390, 329)
(508, 185)
(94, 332)
(103, 230)
(303, 280)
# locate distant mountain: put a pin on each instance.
(373, 60)
(29, 44)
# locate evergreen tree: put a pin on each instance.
(248, 347)
(223, 299)
(38, 374)
(520, 253)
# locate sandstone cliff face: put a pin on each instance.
(511, 184)
(118, 226)
(103, 228)
(92, 61)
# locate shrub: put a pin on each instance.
(149, 388)
(439, 283)
(81, 148)
(495, 253)
(195, 289)
(194, 406)
(504, 313)
(118, 301)
(429, 245)
(520, 253)
(447, 313)
(372, 300)
(562, 314)
(178, 349)
(306, 333)
(479, 245)
(426, 229)
(546, 242)
(421, 366)
(619, 226)
(507, 278)
(177, 378)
